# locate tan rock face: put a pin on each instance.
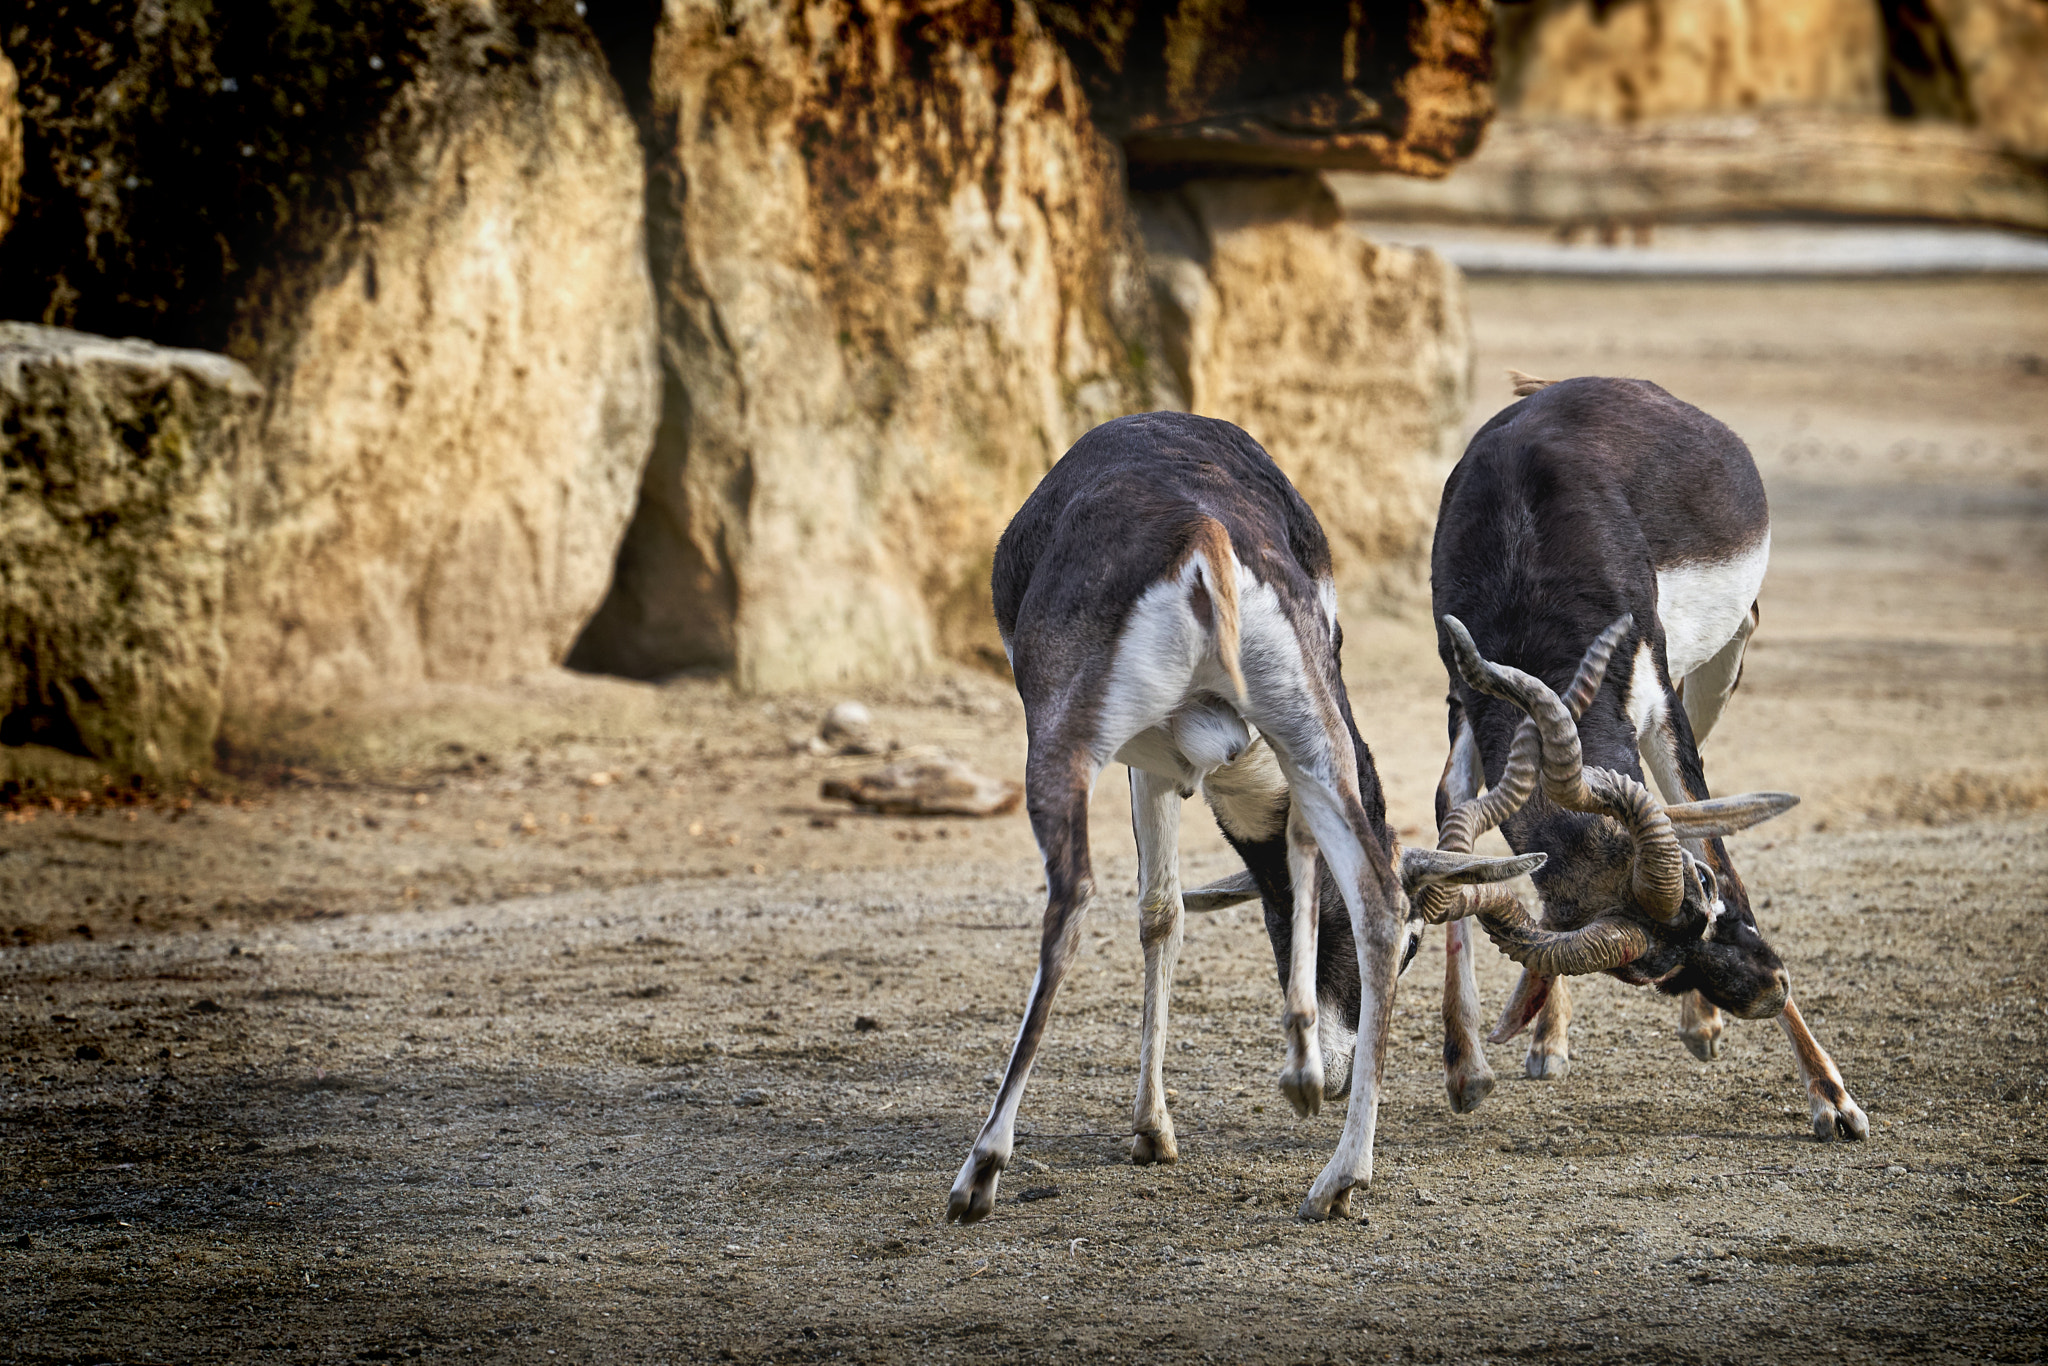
(10, 144)
(456, 432)
(421, 229)
(1619, 61)
(2001, 48)
(114, 530)
(897, 280)
(1350, 362)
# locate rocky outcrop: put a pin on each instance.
(457, 431)
(894, 274)
(1791, 162)
(1350, 362)
(10, 145)
(2001, 50)
(1620, 112)
(115, 526)
(897, 278)
(420, 227)
(1213, 84)
(1620, 61)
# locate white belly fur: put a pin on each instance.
(1701, 604)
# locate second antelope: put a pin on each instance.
(1598, 520)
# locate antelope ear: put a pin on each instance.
(1726, 815)
(1705, 884)
(1231, 891)
(1443, 868)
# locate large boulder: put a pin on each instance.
(1619, 61)
(419, 224)
(2001, 49)
(897, 278)
(116, 486)
(1350, 362)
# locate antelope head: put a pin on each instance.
(1627, 897)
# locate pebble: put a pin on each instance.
(846, 721)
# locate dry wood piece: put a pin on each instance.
(927, 787)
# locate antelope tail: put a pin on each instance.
(1219, 572)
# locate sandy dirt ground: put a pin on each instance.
(566, 1022)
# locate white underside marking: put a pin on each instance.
(1339, 1042)
(1208, 733)
(1165, 659)
(1701, 604)
(1649, 711)
(1645, 693)
(1277, 675)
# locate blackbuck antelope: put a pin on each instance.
(1165, 600)
(1603, 520)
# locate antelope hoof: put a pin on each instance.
(1844, 1120)
(1318, 1209)
(1156, 1146)
(1543, 1065)
(974, 1190)
(1470, 1089)
(1303, 1087)
(1702, 1041)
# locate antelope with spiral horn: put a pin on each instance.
(1604, 537)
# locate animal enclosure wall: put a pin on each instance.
(709, 343)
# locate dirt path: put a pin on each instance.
(376, 1067)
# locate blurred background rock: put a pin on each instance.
(1618, 117)
(662, 338)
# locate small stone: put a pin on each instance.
(1033, 1165)
(600, 779)
(751, 1098)
(1425, 1198)
(1894, 1170)
(865, 1024)
(846, 723)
